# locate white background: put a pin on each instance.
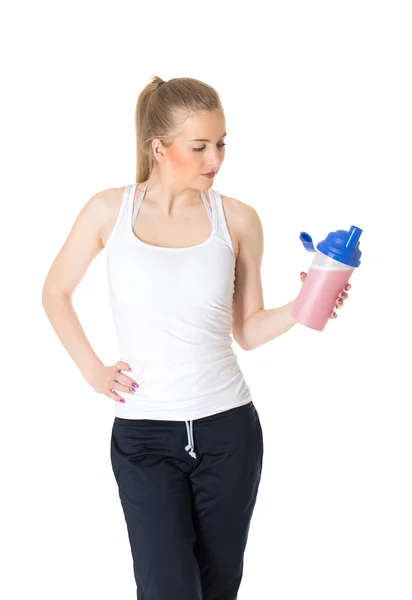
(317, 97)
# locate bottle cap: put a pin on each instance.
(340, 245)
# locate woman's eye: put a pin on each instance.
(200, 149)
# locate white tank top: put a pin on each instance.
(172, 310)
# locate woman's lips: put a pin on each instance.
(208, 175)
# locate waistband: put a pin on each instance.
(190, 446)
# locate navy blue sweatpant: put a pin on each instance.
(188, 513)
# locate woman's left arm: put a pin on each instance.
(254, 325)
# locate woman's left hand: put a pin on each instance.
(339, 300)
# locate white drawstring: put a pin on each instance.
(191, 445)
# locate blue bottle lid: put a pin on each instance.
(340, 245)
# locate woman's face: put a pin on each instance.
(198, 148)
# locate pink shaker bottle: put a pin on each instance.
(333, 264)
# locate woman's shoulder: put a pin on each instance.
(110, 201)
(240, 213)
(239, 216)
(237, 207)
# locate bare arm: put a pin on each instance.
(82, 245)
(254, 325)
(248, 294)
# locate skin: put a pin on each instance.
(176, 180)
(172, 201)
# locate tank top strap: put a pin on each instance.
(209, 210)
(120, 225)
(222, 228)
(132, 212)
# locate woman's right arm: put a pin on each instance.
(81, 247)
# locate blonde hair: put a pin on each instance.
(159, 112)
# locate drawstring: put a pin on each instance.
(191, 445)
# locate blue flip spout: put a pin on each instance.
(307, 241)
(353, 237)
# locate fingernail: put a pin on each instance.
(122, 400)
(134, 384)
(130, 369)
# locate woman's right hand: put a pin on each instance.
(105, 379)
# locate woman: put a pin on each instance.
(183, 266)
